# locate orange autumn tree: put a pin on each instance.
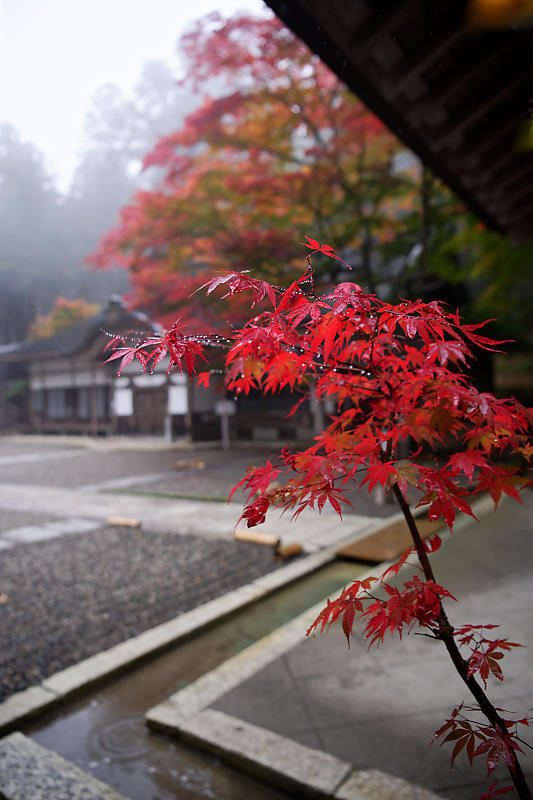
(64, 313)
(278, 146)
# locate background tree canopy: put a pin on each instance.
(46, 235)
(279, 149)
(259, 145)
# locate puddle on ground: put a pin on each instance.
(104, 732)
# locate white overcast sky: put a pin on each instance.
(54, 54)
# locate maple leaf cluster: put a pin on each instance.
(419, 601)
(394, 372)
(475, 738)
(181, 350)
(397, 376)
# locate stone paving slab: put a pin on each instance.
(246, 746)
(379, 708)
(26, 534)
(311, 530)
(31, 772)
(16, 459)
(292, 766)
(367, 707)
(372, 784)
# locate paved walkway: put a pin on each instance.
(84, 485)
(373, 708)
(71, 585)
(378, 708)
(210, 520)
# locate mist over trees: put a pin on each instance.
(30, 234)
(282, 150)
(258, 146)
(46, 235)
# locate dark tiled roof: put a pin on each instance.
(457, 95)
(115, 318)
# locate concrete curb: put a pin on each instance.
(62, 685)
(291, 766)
(280, 760)
(266, 755)
(248, 747)
(29, 771)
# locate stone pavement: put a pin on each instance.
(376, 708)
(80, 484)
(130, 464)
(178, 516)
(71, 585)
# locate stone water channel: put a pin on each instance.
(104, 733)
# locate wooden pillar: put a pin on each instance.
(94, 408)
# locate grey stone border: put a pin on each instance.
(29, 771)
(269, 756)
(56, 689)
(276, 758)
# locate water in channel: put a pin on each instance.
(104, 733)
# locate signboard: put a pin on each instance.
(177, 400)
(225, 408)
(123, 402)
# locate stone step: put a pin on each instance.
(31, 772)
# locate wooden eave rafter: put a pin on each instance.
(454, 95)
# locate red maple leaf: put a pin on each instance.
(257, 480)
(498, 745)
(379, 473)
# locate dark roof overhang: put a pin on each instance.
(456, 95)
(115, 319)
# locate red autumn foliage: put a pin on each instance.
(394, 371)
(279, 144)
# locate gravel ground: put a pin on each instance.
(73, 468)
(63, 602)
(220, 472)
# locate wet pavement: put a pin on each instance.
(379, 707)
(71, 586)
(197, 473)
(60, 595)
(104, 732)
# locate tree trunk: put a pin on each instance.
(445, 633)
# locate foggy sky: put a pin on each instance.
(54, 54)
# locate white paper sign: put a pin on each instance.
(123, 402)
(225, 408)
(147, 381)
(177, 400)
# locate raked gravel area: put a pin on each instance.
(193, 473)
(62, 601)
